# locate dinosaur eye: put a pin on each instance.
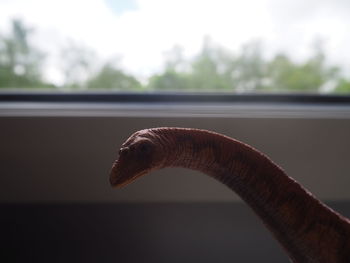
(145, 148)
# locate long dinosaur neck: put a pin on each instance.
(307, 229)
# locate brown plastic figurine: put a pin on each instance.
(306, 228)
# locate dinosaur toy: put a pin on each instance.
(307, 229)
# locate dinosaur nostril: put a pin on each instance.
(123, 151)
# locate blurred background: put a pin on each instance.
(153, 45)
(55, 199)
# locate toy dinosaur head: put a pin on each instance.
(139, 155)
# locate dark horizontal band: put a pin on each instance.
(169, 97)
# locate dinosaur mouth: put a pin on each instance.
(119, 178)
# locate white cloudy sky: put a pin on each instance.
(140, 31)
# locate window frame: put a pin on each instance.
(173, 97)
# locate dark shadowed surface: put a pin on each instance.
(51, 157)
(150, 232)
(65, 161)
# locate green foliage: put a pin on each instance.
(208, 69)
(77, 65)
(343, 86)
(217, 69)
(249, 69)
(19, 61)
(169, 80)
(214, 68)
(309, 76)
(110, 78)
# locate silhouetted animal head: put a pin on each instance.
(139, 155)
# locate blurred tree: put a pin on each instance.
(169, 80)
(310, 76)
(20, 62)
(208, 69)
(249, 73)
(217, 69)
(77, 64)
(174, 59)
(174, 76)
(111, 78)
(343, 86)
(213, 69)
(206, 72)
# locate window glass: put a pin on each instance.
(250, 46)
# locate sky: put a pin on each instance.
(138, 33)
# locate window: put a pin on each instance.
(252, 46)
